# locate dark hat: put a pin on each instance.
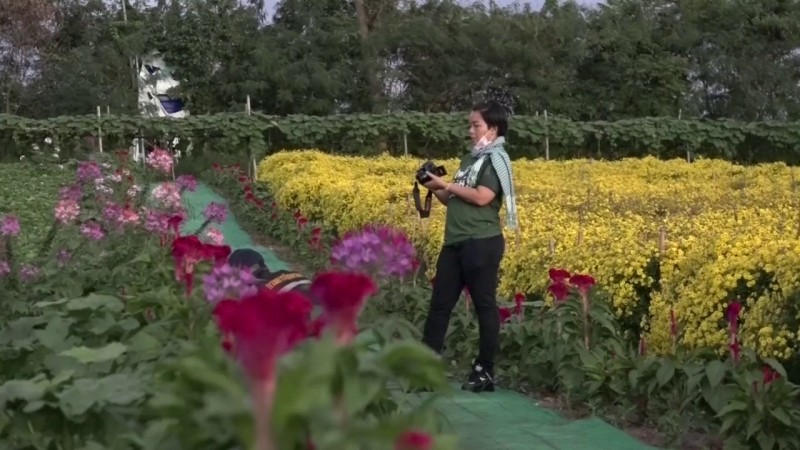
(247, 257)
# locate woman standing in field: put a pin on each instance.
(473, 240)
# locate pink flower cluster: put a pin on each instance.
(88, 172)
(160, 160)
(92, 230)
(228, 282)
(168, 196)
(215, 212)
(186, 183)
(214, 236)
(9, 226)
(67, 210)
(379, 250)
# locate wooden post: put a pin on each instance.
(99, 130)
(252, 163)
(405, 143)
(546, 138)
(688, 151)
(662, 240)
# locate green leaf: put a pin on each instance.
(715, 371)
(76, 399)
(414, 362)
(665, 371)
(144, 346)
(95, 302)
(27, 390)
(88, 355)
(116, 389)
(360, 391)
(101, 324)
(54, 335)
(781, 414)
(776, 366)
(732, 406)
(765, 441)
(51, 303)
(305, 386)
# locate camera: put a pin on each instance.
(429, 166)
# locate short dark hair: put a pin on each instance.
(247, 258)
(494, 114)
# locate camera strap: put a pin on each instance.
(424, 211)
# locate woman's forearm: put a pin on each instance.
(465, 193)
(442, 195)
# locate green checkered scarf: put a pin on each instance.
(502, 165)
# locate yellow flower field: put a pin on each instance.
(720, 231)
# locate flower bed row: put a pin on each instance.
(123, 333)
(571, 344)
(663, 237)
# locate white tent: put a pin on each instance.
(155, 99)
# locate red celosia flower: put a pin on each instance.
(736, 351)
(558, 275)
(342, 296)
(734, 308)
(187, 251)
(316, 238)
(673, 324)
(559, 291)
(505, 314)
(227, 343)
(583, 283)
(175, 222)
(414, 440)
(316, 327)
(263, 327)
(519, 297)
(301, 223)
(769, 375)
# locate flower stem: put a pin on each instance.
(263, 393)
(202, 227)
(585, 301)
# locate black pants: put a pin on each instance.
(475, 264)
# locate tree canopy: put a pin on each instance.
(736, 59)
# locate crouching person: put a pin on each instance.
(279, 280)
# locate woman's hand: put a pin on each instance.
(436, 183)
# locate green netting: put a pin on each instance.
(502, 420)
(507, 420)
(235, 236)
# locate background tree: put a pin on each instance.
(629, 58)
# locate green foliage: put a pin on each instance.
(627, 58)
(105, 350)
(576, 349)
(30, 192)
(362, 133)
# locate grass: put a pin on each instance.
(30, 191)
